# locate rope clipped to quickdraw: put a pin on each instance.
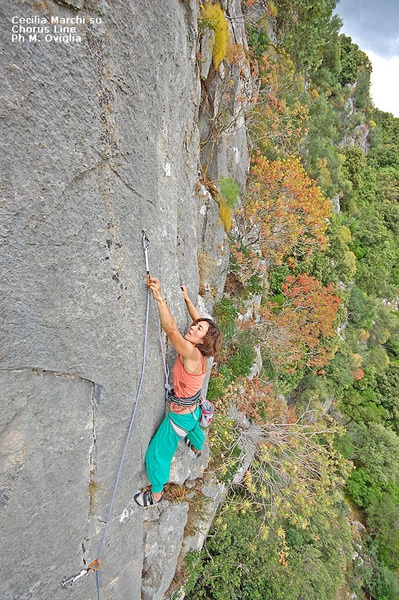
(165, 366)
(146, 244)
(95, 565)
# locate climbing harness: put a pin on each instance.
(95, 565)
(185, 402)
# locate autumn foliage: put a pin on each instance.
(278, 123)
(302, 331)
(297, 471)
(258, 400)
(285, 211)
(213, 17)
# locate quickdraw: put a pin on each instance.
(93, 566)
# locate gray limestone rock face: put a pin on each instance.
(99, 142)
(214, 493)
(163, 536)
(46, 455)
(227, 94)
(100, 105)
(185, 466)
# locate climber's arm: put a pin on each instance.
(194, 314)
(182, 346)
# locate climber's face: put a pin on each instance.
(197, 332)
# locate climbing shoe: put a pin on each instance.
(146, 499)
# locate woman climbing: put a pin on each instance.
(202, 340)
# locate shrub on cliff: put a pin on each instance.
(212, 16)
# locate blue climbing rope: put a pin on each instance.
(95, 565)
(145, 247)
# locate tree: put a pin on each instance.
(354, 165)
(382, 521)
(352, 60)
(342, 258)
(285, 211)
(377, 452)
(305, 28)
(248, 559)
(212, 16)
(282, 533)
(375, 249)
(361, 308)
(322, 159)
(388, 387)
(277, 123)
(362, 407)
(296, 471)
(302, 332)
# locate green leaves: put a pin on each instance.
(305, 28)
(326, 331)
(247, 559)
(352, 60)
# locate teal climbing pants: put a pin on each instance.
(165, 441)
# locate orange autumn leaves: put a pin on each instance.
(286, 210)
(286, 217)
(302, 331)
(257, 399)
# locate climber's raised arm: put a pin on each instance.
(194, 314)
(184, 347)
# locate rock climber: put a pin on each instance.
(202, 340)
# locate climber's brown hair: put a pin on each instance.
(212, 341)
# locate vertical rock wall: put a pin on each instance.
(99, 142)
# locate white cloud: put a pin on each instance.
(385, 82)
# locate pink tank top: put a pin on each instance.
(186, 384)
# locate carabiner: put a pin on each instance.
(93, 566)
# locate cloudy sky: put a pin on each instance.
(374, 26)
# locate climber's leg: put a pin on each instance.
(159, 455)
(164, 445)
(196, 436)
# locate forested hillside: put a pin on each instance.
(310, 321)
